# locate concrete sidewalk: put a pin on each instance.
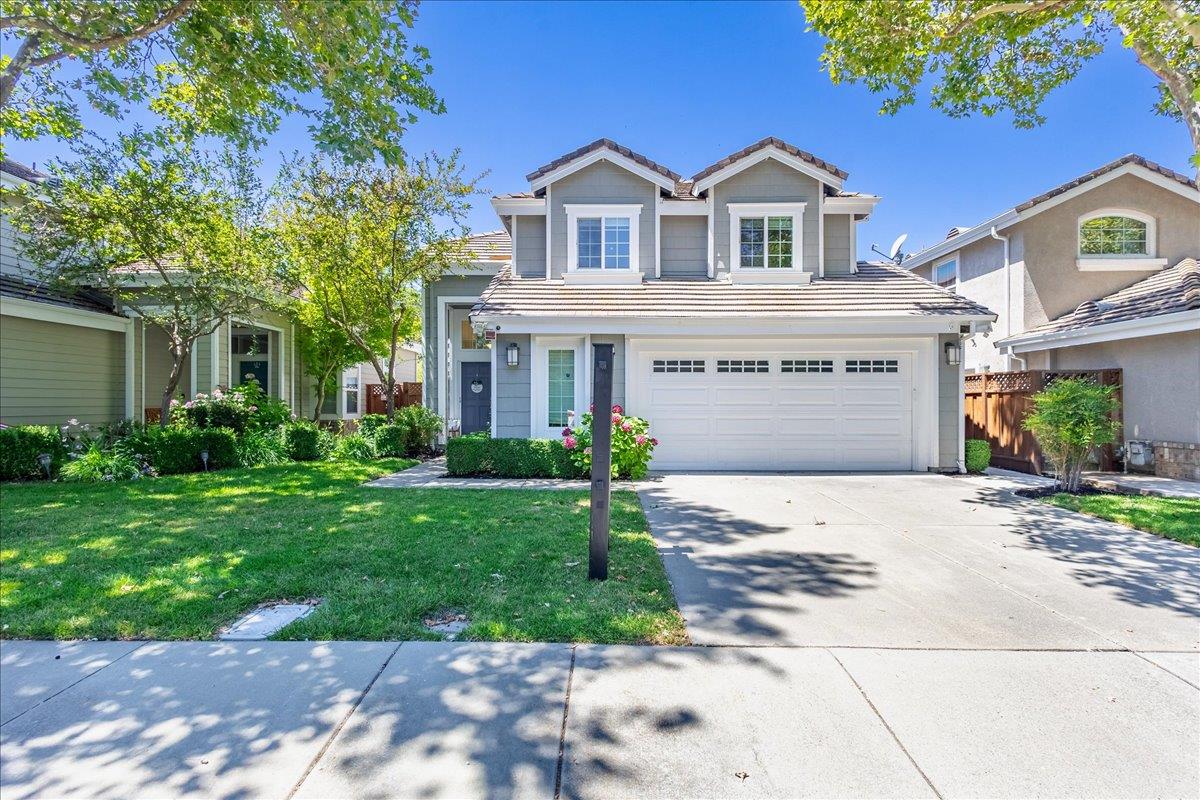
(422, 719)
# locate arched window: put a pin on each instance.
(1116, 233)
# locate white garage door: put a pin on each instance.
(780, 411)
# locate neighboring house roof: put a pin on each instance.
(491, 246)
(1132, 163)
(769, 141)
(83, 299)
(876, 289)
(19, 170)
(602, 144)
(1171, 292)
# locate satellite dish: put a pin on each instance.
(896, 245)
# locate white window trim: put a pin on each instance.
(575, 211)
(957, 271)
(539, 381)
(738, 211)
(1093, 262)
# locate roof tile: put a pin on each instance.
(769, 141)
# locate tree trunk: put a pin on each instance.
(164, 409)
(321, 382)
(390, 383)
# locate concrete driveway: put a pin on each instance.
(913, 561)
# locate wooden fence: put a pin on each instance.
(996, 403)
(407, 394)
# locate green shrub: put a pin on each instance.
(1071, 418)
(243, 408)
(354, 447)
(420, 426)
(261, 449)
(303, 441)
(632, 444)
(369, 423)
(175, 450)
(20, 447)
(391, 441)
(978, 455)
(509, 458)
(96, 464)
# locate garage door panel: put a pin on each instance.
(776, 420)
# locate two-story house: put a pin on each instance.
(1099, 273)
(744, 327)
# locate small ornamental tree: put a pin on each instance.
(358, 240)
(325, 349)
(1071, 418)
(161, 228)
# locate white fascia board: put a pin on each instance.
(684, 208)
(507, 206)
(786, 159)
(856, 325)
(864, 204)
(603, 154)
(980, 231)
(48, 312)
(1178, 322)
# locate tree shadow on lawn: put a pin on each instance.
(1139, 568)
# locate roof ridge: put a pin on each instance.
(607, 144)
(770, 141)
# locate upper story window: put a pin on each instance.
(765, 242)
(1117, 239)
(766, 239)
(602, 242)
(946, 273)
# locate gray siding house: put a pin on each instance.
(745, 329)
(1098, 273)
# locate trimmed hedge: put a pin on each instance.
(20, 446)
(978, 455)
(172, 451)
(303, 441)
(391, 441)
(509, 458)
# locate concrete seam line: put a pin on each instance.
(1164, 669)
(341, 724)
(899, 532)
(562, 733)
(885, 724)
(75, 683)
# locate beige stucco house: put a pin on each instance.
(78, 356)
(1098, 273)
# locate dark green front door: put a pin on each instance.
(261, 370)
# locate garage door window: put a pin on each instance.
(872, 365)
(794, 365)
(561, 386)
(678, 365)
(742, 365)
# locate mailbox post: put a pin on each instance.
(602, 378)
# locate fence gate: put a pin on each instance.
(996, 404)
(407, 394)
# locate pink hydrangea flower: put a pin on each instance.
(569, 442)
(641, 440)
(616, 419)
(654, 442)
(627, 426)
(616, 409)
(254, 408)
(587, 451)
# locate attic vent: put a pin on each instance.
(955, 231)
(1087, 308)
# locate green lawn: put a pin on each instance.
(1174, 519)
(177, 558)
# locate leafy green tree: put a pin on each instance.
(166, 230)
(359, 238)
(1071, 418)
(989, 55)
(228, 68)
(325, 349)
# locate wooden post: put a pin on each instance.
(602, 377)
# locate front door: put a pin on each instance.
(475, 396)
(260, 370)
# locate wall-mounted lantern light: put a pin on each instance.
(513, 352)
(953, 353)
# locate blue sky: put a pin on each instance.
(686, 83)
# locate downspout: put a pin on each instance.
(1007, 294)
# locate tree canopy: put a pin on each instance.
(226, 68)
(986, 56)
(164, 229)
(357, 240)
